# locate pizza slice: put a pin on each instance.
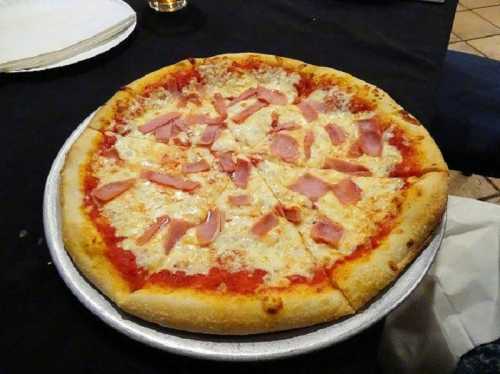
(364, 230)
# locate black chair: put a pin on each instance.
(467, 121)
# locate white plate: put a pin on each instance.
(230, 348)
(46, 6)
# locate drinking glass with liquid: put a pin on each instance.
(167, 5)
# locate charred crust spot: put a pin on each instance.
(409, 118)
(272, 304)
(192, 61)
(126, 89)
(410, 243)
(393, 266)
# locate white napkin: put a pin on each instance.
(40, 32)
(457, 305)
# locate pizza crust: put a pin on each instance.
(362, 278)
(81, 239)
(237, 314)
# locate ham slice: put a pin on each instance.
(220, 106)
(370, 138)
(200, 119)
(152, 229)
(239, 200)
(265, 224)
(310, 186)
(336, 133)
(292, 214)
(243, 96)
(308, 142)
(287, 126)
(241, 173)
(271, 96)
(158, 121)
(209, 135)
(208, 230)
(170, 181)
(285, 147)
(164, 133)
(346, 167)
(317, 105)
(226, 162)
(327, 232)
(247, 112)
(176, 230)
(111, 190)
(196, 167)
(310, 114)
(347, 192)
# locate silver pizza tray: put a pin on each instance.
(229, 348)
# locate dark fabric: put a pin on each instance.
(484, 359)
(467, 121)
(398, 45)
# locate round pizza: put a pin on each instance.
(249, 193)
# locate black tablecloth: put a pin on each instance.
(397, 45)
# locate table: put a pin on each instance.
(397, 45)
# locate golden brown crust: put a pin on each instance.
(105, 115)
(362, 278)
(237, 314)
(81, 238)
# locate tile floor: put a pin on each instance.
(476, 30)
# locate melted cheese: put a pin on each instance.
(280, 252)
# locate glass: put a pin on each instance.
(167, 5)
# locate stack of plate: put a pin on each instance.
(43, 34)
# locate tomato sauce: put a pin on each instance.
(358, 104)
(242, 281)
(319, 277)
(123, 260)
(409, 165)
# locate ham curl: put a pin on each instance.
(285, 147)
(208, 230)
(152, 229)
(170, 181)
(111, 190)
(176, 230)
(347, 191)
(346, 167)
(158, 121)
(327, 232)
(265, 224)
(310, 186)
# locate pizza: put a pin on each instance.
(249, 193)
